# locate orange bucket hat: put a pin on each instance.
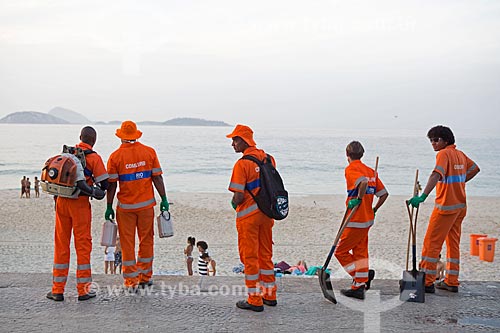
(128, 131)
(243, 132)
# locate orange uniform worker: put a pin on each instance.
(452, 170)
(255, 237)
(363, 184)
(136, 167)
(75, 214)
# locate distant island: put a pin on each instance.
(60, 115)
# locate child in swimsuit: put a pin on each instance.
(188, 251)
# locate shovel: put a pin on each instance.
(324, 277)
(412, 285)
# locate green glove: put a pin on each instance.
(353, 203)
(164, 203)
(417, 200)
(233, 205)
(110, 213)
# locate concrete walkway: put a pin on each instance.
(180, 303)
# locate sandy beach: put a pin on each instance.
(26, 240)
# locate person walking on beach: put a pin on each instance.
(452, 170)
(363, 184)
(37, 187)
(23, 186)
(109, 260)
(137, 168)
(28, 188)
(118, 256)
(255, 237)
(75, 215)
(188, 252)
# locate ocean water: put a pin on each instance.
(311, 161)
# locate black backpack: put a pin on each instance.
(272, 198)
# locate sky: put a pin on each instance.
(319, 64)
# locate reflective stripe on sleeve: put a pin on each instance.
(101, 178)
(237, 186)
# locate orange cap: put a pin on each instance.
(128, 131)
(243, 132)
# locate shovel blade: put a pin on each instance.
(326, 285)
(412, 287)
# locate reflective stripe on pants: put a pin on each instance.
(72, 215)
(128, 222)
(355, 239)
(443, 227)
(255, 245)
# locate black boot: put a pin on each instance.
(355, 293)
(371, 276)
(246, 306)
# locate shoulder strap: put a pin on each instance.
(88, 151)
(252, 158)
(255, 160)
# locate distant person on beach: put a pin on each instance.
(137, 168)
(202, 265)
(118, 256)
(298, 269)
(452, 170)
(23, 186)
(255, 229)
(188, 252)
(109, 259)
(75, 215)
(211, 265)
(28, 188)
(37, 187)
(440, 269)
(363, 184)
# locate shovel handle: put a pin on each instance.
(344, 223)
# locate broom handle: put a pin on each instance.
(412, 234)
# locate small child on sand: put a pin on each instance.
(210, 264)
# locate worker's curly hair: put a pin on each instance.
(442, 132)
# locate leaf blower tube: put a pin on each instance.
(91, 191)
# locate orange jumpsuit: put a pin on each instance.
(255, 236)
(133, 165)
(75, 215)
(355, 235)
(450, 208)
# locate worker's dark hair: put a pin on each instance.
(442, 132)
(191, 240)
(202, 244)
(355, 150)
(205, 255)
